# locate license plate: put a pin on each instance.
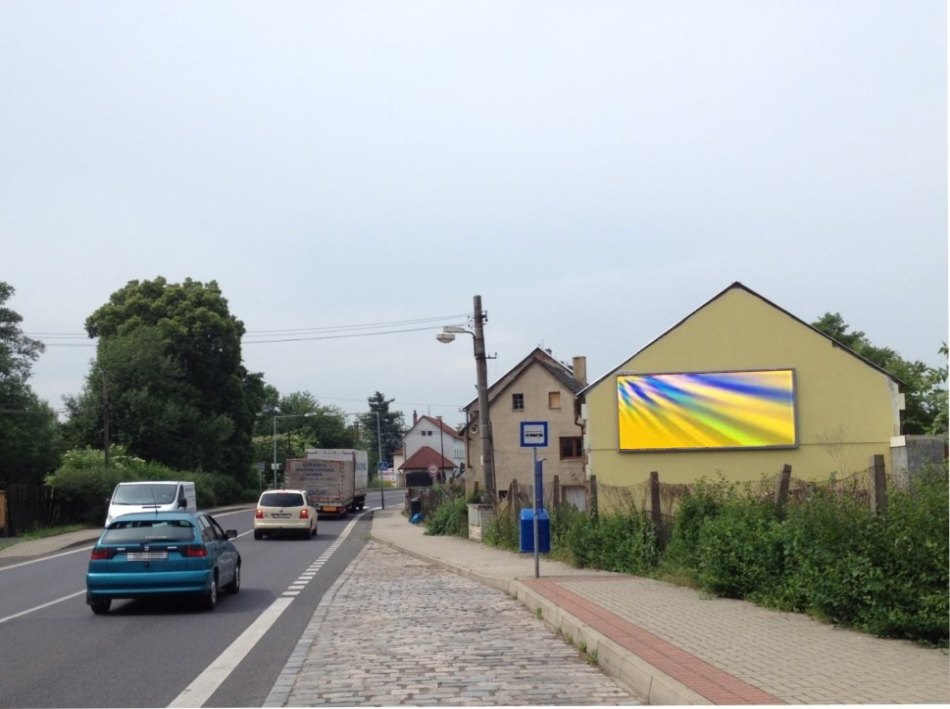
(147, 555)
(281, 515)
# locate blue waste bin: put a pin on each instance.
(527, 531)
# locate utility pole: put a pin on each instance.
(484, 425)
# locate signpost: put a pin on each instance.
(534, 435)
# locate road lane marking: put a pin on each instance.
(45, 558)
(208, 682)
(41, 607)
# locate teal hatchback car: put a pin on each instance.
(153, 554)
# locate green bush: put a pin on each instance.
(826, 555)
(83, 484)
(915, 602)
(701, 504)
(621, 541)
(502, 532)
(739, 553)
(450, 518)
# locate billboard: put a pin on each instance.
(684, 411)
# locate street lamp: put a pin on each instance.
(478, 336)
(379, 461)
(274, 465)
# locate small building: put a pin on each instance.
(538, 388)
(430, 447)
(739, 388)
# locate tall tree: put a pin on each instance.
(925, 398)
(29, 433)
(391, 427)
(168, 378)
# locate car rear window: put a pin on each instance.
(145, 494)
(281, 499)
(176, 530)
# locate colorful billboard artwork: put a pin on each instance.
(707, 410)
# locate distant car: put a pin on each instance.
(153, 554)
(285, 511)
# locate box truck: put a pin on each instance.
(335, 478)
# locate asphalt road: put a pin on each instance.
(54, 652)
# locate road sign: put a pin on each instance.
(433, 469)
(534, 434)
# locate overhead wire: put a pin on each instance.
(260, 337)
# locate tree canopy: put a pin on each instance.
(29, 436)
(168, 379)
(925, 388)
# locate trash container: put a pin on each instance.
(527, 531)
(415, 506)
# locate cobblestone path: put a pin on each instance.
(395, 630)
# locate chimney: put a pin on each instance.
(580, 371)
(415, 417)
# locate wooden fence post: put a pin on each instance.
(592, 495)
(878, 485)
(781, 493)
(656, 514)
(514, 502)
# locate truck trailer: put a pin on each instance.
(335, 478)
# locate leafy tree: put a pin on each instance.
(925, 393)
(391, 428)
(169, 380)
(29, 435)
(295, 422)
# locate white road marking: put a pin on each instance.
(208, 682)
(45, 558)
(42, 606)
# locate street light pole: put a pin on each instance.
(273, 466)
(481, 371)
(379, 462)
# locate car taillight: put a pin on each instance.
(259, 514)
(194, 550)
(100, 554)
(304, 513)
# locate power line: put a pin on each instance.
(259, 337)
(334, 337)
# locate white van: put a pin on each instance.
(148, 495)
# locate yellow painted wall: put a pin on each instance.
(846, 409)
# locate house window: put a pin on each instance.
(554, 399)
(571, 447)
(517, 402)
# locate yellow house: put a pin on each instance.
(739, 388)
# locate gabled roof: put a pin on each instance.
(558, 370)
(438, 423)
(424, 457)
(740, 286)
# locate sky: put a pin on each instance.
(352, 173)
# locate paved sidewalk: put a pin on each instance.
(672, 645)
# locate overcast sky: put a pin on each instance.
(595, 170)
